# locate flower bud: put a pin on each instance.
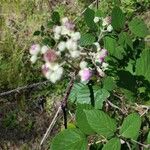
(35, 49)
(61, 46)
(75, 54)
(104, 66)
(44, 49)
(109, 28)
(64, 20)
(101, 72)
(33, 59)
(57, 29)
(57, 36)
(85, 74)
(76, 36)
(96, 19)
(71, 45)
(83, 64)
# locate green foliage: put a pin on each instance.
(81, 119)
(118, 19)
(101, 96)
(138, 28)
(101, 123)
(142, 64)
(113, 144)
(131, 126)
(87, 39)
(70, 139)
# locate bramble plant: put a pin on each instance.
(112, 95)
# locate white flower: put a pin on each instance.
(61, 46)
(71, 45)
(56, 75)
(57, 29)
(33, 59)
(96, 19)
(104, 66)
(35, 49)
(76, 36)
(56, 36)
(64, 20)
(44, 49)
(109, 28)
(83, 64)
(97, 46)
(75, 54)
(65, 31)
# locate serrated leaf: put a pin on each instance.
(100, 96)
(55, 17)
(118, 19)
(110, 44)
(100, 122)
(148, 138)
(138, 27)
(48, 41)
(113, 144)
(125, 40)
(36, 33)
(87, 39)
(143, 65)
(109, 83)
(131, 126)
(89, 15)
(81, 119)
(80, 93)
(69, 139)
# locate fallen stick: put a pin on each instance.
(23, 88)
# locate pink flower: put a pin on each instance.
(69, 25)
(45, 69)
(101, 55)
(50, 56)
(85, 74)
(35, 49)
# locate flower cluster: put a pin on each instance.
(67, 48)
(97, 58)
(106, 22)
(70, 38)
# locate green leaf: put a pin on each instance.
(143, 65)
(148, 138)
(55, 17)
(36, 33)
(131, 126)
(48, 41)
(80, 93)
(114, 50)
(100, 96)
(118, 19)
(69, 139)
(100, 122)
(138, 27)
(87, 39)
(81, 119)
(125, 40)
(110, 44)
(89, 15)
(50, 24)
(109, 83)
(113, 144)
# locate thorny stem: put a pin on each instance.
(65, 99)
